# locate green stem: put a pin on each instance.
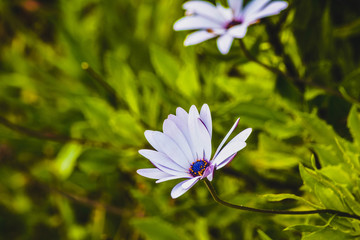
(271, 211)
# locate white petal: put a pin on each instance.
(153, 173)
(195, 22)
(231, 148)
(178, 190)
(198, 37)
(163, 143)
(253, 7)
(226, 137)
(159, 158)
(238, 31)
(190, 182)
(173, 177)
(243, 135)
(227, 13)
(199, 135)
(181, 121)
(236, 6)
(224, 43)
(225, 162)
(170, 129)
(205, 9)
(272, 8)
(205, 116)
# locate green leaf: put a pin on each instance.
(187, 81)
(283, 196)
(156, 228)
(66, 160)
(166, 65)
(328, 234)
(326, 192)
(354, 124)
(263, 235)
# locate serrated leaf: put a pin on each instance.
(326, 192)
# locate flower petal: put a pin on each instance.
(236, 6)
(272, 8)
(243, 135)
(238, 31)
(163, 143)
(153, 173)
(198, 37)
(204, 9)
(159, 158)
(195, 22)
(190, 182)
(225, 162)
(172, 178)
(178, 190)
(170, 129)
(253, 7)
(227, 13)
(199, 135)
(205, 116)
(209, 172)
(181, 121)
(226, 137)
(224, 43)
(230, 148)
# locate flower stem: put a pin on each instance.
(271, 211)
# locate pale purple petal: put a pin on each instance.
(163, 143)
(209, 172)
(205, 116)
(225, 162)
(224, 43)
(198, 37)
(238, 31)
(272, 8)
(195, 22)
(199, 135)
(170, 129)
(159, 158)
(204, 9)
(173, 177)
(236, 6)
(190, 182)
(253, 7)
(230, 148)
(178, 190)
(226, 137)
(153, 173)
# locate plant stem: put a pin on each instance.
(271, 211)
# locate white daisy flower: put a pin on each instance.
(225, 23)
(183, 149)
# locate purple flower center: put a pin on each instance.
(198, 167)
(233, 23)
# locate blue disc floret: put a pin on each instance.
(198, 167)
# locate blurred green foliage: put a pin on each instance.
(81, 80)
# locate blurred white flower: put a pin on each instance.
(225, 23)
(183, 149)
